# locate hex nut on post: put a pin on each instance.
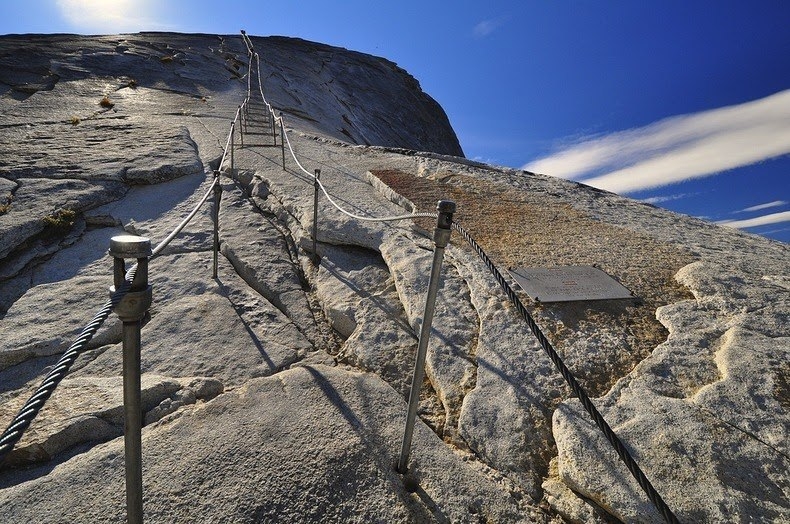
(441, 235)
(134, 304)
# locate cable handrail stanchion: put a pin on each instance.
(316, 184)
(246, 113)
(163, 244)
(273, 126)
(242, 124)
(232, 140)
(131, 310)
(225, 151)
(441, 238)
(282, 135)
(217, 198)
(15, 430)
(241, 127)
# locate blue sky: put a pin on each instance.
(684, 104)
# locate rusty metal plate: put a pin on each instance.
(569, 283)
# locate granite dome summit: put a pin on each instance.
(277, 391)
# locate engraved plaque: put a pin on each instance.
(566, 284)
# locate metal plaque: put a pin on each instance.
(566, 284)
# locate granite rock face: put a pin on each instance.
(277, 390)
(84, 118)
(352, 97)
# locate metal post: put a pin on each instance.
(274, 126)
(317, 187)
(441, 238)
(241, 129)
(249, 75)
(131, 310)
(217, 198)
(282, 136)
(232, 139)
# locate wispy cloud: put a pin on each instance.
(668, 198)
(486, 27)
(774, 231)
(773, 218)
(768, 205)
(677, 148)
(116, 16)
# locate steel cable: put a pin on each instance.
(163, 244)
(15, 430)
(577, 389)
(31, 408)
(311, 175)
(373, 219)
(13, 434)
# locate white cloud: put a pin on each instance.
(774, 231)
(111, 16)
(768, 205)
(486, 27)
(773, 218)
(677, 148)
(668, 198)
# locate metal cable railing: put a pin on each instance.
(577, 389)
(13, 433)
(15, 430)
(287, 141)
(131, 313)
(32, 407)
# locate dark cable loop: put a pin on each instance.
(13, 434)
(577, 389)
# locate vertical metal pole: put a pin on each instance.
(232, 139)
(249, 74)
(131, 310)
(282, 136)
(132, 422)
(317, 188)
(441, 238)
(241, 129)
(217, 198)
(274, 126)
